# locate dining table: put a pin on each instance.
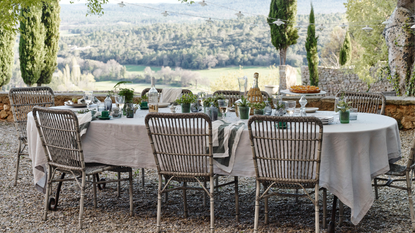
(352, 154)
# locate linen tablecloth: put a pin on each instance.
(352, 154)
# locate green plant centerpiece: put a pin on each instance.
(243, 108)
(143, 102)
(185, 101)
(258, 108)
(343, 107)
(206, 104)
(128, 93)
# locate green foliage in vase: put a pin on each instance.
(207, 101)
(51, 21)
(127, 92)
(343, 105)
(345, 51)
(6, 55)
(31, 47)
(311, 47)
(286, 34)
(187, 99)
(243, 102)
(258, 106)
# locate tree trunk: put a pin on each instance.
(283, 56)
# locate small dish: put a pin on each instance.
(163, 105)
(77, 105)
(104, 118)
(309, 110)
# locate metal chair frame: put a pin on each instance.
(182, 149)
(286, 157)
(22, 101)
(61, 141)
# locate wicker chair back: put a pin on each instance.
(366, 102)
(59, 133)
(181, 143)
(22, 101)
(160, 90)
(286, 150)
(233, 96)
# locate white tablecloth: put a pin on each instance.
(352, 154)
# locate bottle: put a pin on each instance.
(108, 103)
(213, 112)
(153, 97)
(254, 94)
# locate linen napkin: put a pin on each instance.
(169, 95)
(225, 139)
(84, 121)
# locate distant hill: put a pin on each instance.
(74, 14)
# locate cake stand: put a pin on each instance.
(303, 100)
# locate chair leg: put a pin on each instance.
(375, 183)
(256, 207)
(212, 206)
(411, 204)
(130, 179)
(217, 184)
(48, 188)
(296, 197)
(236, 199)
(81, 206)
(166, 194)
(19, 150)
(341, 213)
(266, 210)
(317, 209)
(94, 179)
(204, 195)
(185, 200)
(142, 178)
(159, 204)
(324, 208)
(119, 185)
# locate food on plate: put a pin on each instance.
(304, 89)
(75, 100)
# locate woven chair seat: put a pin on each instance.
(396, 170)
(288, 185)
(187, 178)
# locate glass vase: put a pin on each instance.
(344, 116)
(129, 110)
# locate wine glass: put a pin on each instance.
(88, 97)
(120, 101)
(223, 106)
(290, 107)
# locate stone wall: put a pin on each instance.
(334, 80)
(7, 115)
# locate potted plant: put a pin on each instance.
(206, 104)
(258, 108)
(128, 93)
(143, 102)
(185, 101)
(243, 108)
(343, 107)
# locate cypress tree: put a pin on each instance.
(7, 38)
(346, 50)
(286, 34)
(51, 21)
(31, 47)
(311, 47)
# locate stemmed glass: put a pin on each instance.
(290, 107)
(120, 101)
(223, 106)
(88, 97)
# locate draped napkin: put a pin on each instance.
(169, 95)
(84, 120)
(225, 139)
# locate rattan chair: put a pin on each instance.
(182, 148)
(22, 101)
(233, 96)
(406, 174)
(366, 102)
(286, 153)
(160, 90)
(59, 133)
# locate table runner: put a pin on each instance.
(225, 139)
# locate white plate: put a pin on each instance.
(163, 105)
(310, 110)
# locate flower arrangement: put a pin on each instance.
(243, 102)
(127, 92)
(343, 105)
(258, 106)
(187, 99)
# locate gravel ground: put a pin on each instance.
(21, 207)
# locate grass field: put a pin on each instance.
(210, 74)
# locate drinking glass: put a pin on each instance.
(223, 106)
(120, 100)
(290, 107)
(88, 97)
